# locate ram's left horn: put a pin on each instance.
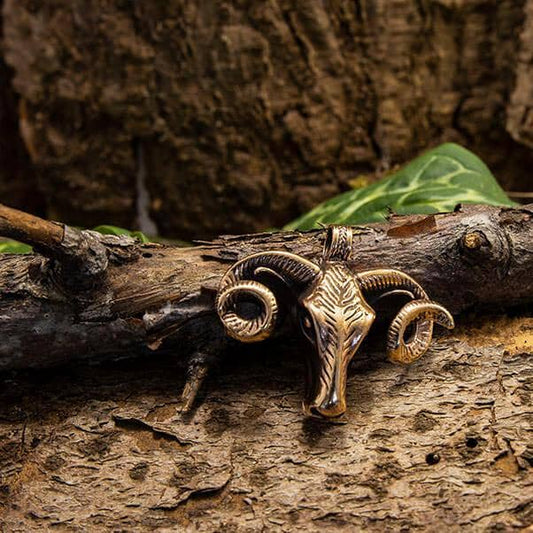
(421, 314)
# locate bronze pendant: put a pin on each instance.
(334, 313)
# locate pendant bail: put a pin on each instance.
(338, 245)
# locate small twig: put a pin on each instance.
(514, 194)
(30, 229)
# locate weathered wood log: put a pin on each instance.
(440, 445)
(478, 256)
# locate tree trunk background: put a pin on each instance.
(204, 118)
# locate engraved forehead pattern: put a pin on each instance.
(337, 291)
(340, 314)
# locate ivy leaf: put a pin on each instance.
(434, 182)
(114, 230)
(14, 247)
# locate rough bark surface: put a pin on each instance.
(239, 116)
(444, 444)
(481, 257)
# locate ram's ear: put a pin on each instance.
(385, 298)
(387, 304)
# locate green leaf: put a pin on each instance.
(14, 247)
(114, 230)
(434, 182)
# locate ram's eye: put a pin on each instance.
(307, 326)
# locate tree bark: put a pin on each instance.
(238, 117)
(441, 445)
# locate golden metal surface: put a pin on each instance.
(333, 310)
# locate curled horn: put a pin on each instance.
(421, 313)
(239, 283)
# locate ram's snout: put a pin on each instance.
(327, 397)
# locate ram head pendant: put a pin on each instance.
(333, 310)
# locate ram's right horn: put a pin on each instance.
(239, 284)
